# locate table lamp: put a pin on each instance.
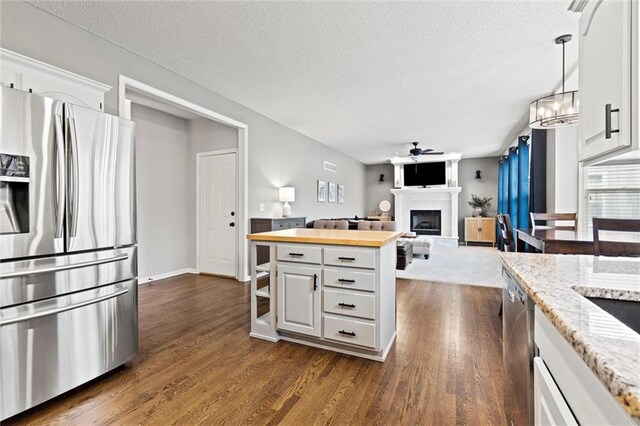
(287, 194)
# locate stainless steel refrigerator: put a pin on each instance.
(68, 268)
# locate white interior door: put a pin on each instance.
(217, 214)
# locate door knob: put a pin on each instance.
(232, 224)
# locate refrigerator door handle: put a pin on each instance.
(59, 310)
(74, 181)
(25, 272)
(60, 172)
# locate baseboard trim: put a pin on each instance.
(154, 278)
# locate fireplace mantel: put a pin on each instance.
(450, 189)
(442, 198)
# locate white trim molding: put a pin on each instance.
(158, 277)
(126, 84)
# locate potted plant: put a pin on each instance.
(480, 206)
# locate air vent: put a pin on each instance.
(330, 167)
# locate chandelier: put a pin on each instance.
(558, 109)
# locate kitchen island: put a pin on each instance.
(587, 368)
(332, 289)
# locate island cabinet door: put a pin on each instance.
(299, 301)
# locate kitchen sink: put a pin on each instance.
(626, 311)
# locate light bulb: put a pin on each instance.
(556, 106)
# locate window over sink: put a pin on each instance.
(612, 191)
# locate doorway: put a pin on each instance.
(129, 89)
(216, 231)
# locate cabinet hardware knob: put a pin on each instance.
(348, 333)
(346, 258)
(296, 254)
(347, 305)
(343, 280)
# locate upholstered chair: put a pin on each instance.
(376, 225)
(331, 224)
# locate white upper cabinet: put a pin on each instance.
(608, 73)
(46, 80)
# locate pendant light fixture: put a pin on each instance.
(559, 109)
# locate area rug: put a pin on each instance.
(479, 266)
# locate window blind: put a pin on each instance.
(612, 191)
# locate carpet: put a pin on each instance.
(479, 266)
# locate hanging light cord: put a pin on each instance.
(563, 43)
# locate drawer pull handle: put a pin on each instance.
(296, 254)
(347, 305)
(343, 280)
(346, 258)
(347, 333)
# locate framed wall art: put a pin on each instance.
(322, 191)
(332, 192)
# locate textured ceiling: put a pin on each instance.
(364, 78)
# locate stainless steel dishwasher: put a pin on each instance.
(518, 352)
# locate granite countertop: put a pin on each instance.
(557, 283)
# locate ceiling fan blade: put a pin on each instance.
(427, 150)
(432, 153)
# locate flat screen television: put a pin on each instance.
(425, 174)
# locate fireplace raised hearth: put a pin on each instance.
(426, 222)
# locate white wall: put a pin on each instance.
(278, 155)
(162, 151)
(485, 187)
(562, 170)
(376, 191)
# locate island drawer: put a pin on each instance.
(354, 304)
(349, 331)
(302, 254)
(345, 278)
(350, 257)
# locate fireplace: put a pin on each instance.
(426, 222)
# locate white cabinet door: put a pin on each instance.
(46, 80)
(605, 77)
(299, 291)
(549, 406)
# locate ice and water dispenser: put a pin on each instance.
(14, 194)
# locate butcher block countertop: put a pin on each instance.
(340, 237)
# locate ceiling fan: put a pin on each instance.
(415, 152)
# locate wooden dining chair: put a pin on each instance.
(573, 217)
(615, 248)
(506, 230)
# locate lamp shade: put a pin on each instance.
(287, 193)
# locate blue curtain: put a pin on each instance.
(523, 184)
(503, 193)
(513, 186)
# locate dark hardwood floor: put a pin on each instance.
(197, 364)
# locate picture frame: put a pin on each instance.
(322, 191)
(332, 192)
(340, 193)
